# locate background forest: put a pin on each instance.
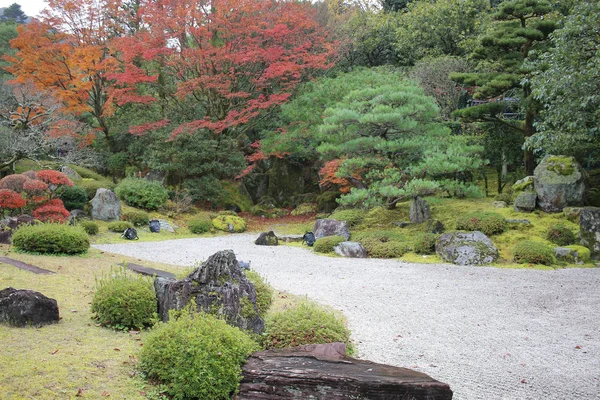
(376, 102)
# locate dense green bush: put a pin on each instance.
(327, 243)
(561, 235)
(223, 222)
(505, 197)
(425, 243)
(119, 226)
(117, 163)
(137, 218)
(124, 301)
(485, 222)
(264, 292)
(91, 186)
(531, 252)
(89, 226)
(352, 216)
(86, 173)
(73, 197)
(199, 225)
(389, 249)
(141, 193)
(196, 356)
(306, 323)
(51, 239)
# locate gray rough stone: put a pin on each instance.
(331, 227)
(70, 172)
(166, 226)
(419, 211)
(568, 255)
(401, 224)
(498, 204)
(106, 206)
(350, 249)
(525, 202)
(466, 248)
(323, 371)
(291, 238)
(9, 224)
(267, 239)
(21, 307)
(589, 229)
(526, 184)
(77, 215)
(572, 213)
(435, 226)
(559, 182)
(217, 286)
(513, 221)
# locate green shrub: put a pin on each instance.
(119, 226)
(222, 223)
(505, 197)
(90, 227)
(264, 292)
(73, 197)
(304, 209)
(425, 243)
(196, 356)
(527, 251)
(378, 249)
(141, 193)
(199, 225)
(485, 222)
(124, 301)
(352, 216)
(137, 218)
(306, 323)
(326, 201)
(87, 173)
(117, 163)
(51, 239)
(91, 186)
(560, 235)
(327, 243)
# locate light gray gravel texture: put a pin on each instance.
(490, 333)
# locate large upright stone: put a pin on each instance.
(350, 249)
(331, 227)
(21, 307)
(219, 287)
(267, 239)
(525, 202)
(466, 248)
(106, 205)
(589, 229)
(419, 211)
(559, 183)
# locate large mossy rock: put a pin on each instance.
(70, 172)
(559, 183)
(323, 371)
(331, 227)
(106, 206)
(229, 223)
(589, 229)
(419, 211)
(525, 202)
(285, 181)
(21, 307)
(466, 248)
(267, 239)
(218, 287)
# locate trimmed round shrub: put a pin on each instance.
(306, 323)
(327, 243)
(561, 235)
(91, 186)
(264, 292)
(51, 239)
(487, 223)
(90, 227)
(137, 218)
(124, 301)
(119, 226)
(223, 223)
(73, 197)
(530, 252)
(425, 243)
(353, 217)
(141, 193)
(199, 225)
(390, 249)
(196, 356)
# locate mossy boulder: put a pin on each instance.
(524, 185)
(525, 202)
(572, 254)
(589, 229)
(229, 223)
(285, 181)
(326, 201)
(305, 209)
(466, 248)
(559, 183)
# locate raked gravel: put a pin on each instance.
(490, 333)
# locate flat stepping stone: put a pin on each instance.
(25, 266)
(140, 269)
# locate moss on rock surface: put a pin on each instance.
(561, 165)
(229, 223)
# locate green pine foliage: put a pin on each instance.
(51, 239)
(73, 197)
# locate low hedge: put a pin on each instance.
(327, 243)
(485, 222)
(199, 225)
(119, 226)
(137, 218)
(51, 239)
(561, 235)
(90, 227)
(531, 252)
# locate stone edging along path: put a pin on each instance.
(490, 333)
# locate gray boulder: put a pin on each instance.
(589, 229)
(559, 182)
(526, 184)
(350, 249)
(9, 224)
(571, 255)
(525, 202)
(466, 248)
(219, 287)
(331, 227)
(572, 213)
(435, 226)
(499, 204)
(419, 211)
(106, 206)
(70, 172)
(166, 226)
(76, 215)
(267, 239)
(20, 307)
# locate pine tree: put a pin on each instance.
(13, 13)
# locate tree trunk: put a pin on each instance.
(529, 160)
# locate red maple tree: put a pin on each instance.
(9, 199)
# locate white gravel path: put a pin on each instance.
(490, 333)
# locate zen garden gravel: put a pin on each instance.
(490, 333)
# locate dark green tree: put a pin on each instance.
(13, 13)
(8, 31)
(520, 33)
(394, 5)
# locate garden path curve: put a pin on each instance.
(490, 333)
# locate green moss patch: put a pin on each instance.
(561, 165)
(229, 223)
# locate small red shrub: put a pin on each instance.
(52, 211)
(13, 182)
(34, 187)
(11, 199)
(54, 177)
